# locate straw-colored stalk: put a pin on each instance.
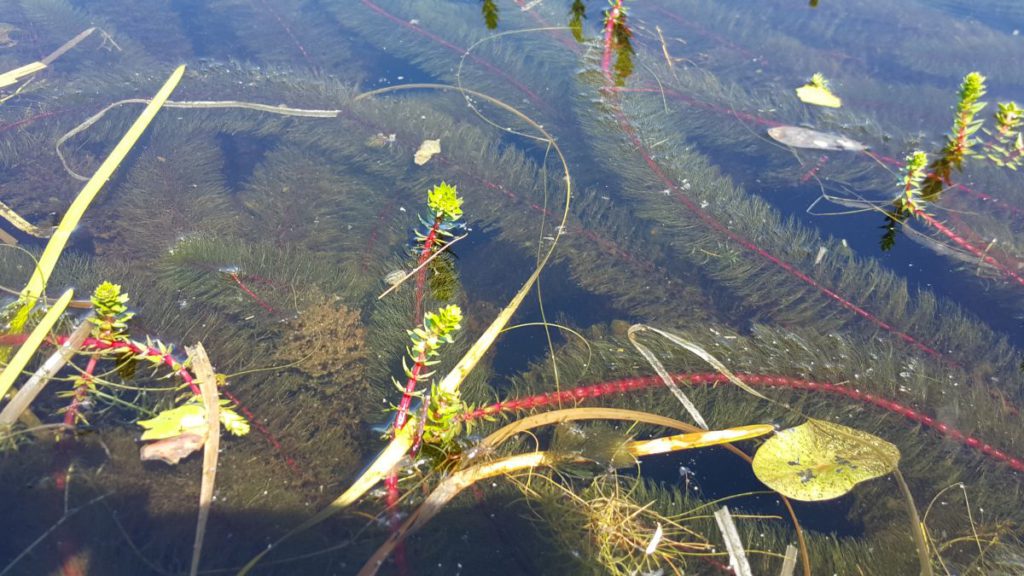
(208, 386)
(37, 283)
(388, 458)
(462, 479)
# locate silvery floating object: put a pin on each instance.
(798, 137)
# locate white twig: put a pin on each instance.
(420, 267)
(737, 556)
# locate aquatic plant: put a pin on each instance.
(309, 223)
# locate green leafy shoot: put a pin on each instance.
(910, 201)
(490, 12)
(1007, 146)
(960, 141)
(577, 14)
(445, 203)
(112, 314)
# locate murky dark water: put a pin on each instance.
(267, 233)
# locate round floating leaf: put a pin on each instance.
(820, 460)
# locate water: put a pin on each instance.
(268, 237)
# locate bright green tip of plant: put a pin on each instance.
(444, 201)
(445, 321)
(1009, 116)
(111, 313)
(108, 300)
(818, 81)
(972, 88)
(916, 161)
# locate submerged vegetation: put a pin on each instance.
(535, 335)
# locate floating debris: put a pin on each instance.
(798, 137)
(394, 277)
(6, 41)
(818, 93)
(427, 151)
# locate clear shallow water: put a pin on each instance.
(684, 216)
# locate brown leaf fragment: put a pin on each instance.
(172, 450)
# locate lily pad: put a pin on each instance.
(820, 460)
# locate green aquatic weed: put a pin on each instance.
(444, 202)
(112, 315)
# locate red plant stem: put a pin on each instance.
(263, 304)
(612, 19)
(715, 224)
(287, 29)
(264, 431)
(395, 521)
(80, 392)
(402, 416)
(167, 359)
(421, 277)
(137, 348)
(639, 383)
(29, 120)
(961, 242)
(814, 169)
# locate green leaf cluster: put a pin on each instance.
(1008, 146)
(490, 12)
(910, 201)
(444, 202)
(444, 421)
(960, 143)
(437, 329)
(112, 314)
(190, 418)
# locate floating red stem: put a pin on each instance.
(263, 303)
(611, 21)
(639, 383)
(963, 243)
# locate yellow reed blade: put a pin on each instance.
(60, 236)
(698, 439)
(28, 349)
(8, 78)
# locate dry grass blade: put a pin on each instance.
(462, 479)
(700, 353)
(665, 377)
(35, 339)
(21, 401)
(737, 556)
(208, 386)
